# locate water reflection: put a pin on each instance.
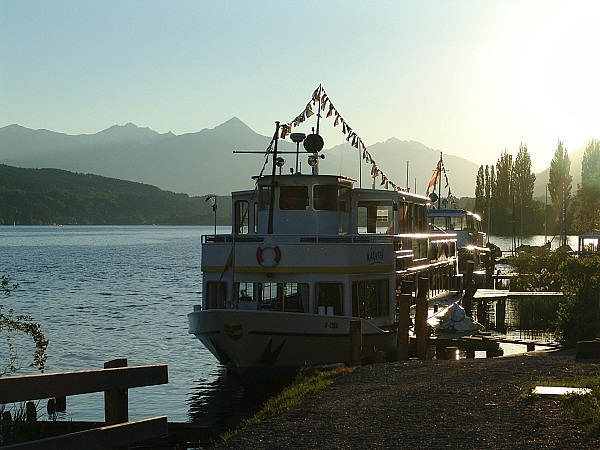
(221, 402)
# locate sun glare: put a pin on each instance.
(559, 73)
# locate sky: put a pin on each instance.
(469, 78)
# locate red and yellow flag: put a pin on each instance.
(434, 177)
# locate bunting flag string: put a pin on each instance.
(321, 97)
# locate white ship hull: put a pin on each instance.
(249, 343)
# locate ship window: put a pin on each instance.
(216, 295)
(290, 297)
(293, 197)
(403, 218)
(326, 198)
(370, 298)
(329, 298)
(241, 217)
(264, 197)
(245, 291)
(255, 218)
(375, 217)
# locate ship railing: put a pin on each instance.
(303, 239)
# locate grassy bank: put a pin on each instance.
(306, 383)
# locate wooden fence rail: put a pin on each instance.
(114, 380)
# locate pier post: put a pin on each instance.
(116, 402)
(490, 264)
(421, 318)
(355, 343)
(402, 339)
(482, 315)
(469, 288)
(501, 315)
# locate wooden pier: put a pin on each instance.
(482, 342)
(500, 294)
(116, 431)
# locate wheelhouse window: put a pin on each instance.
(293, 198)
(370, 298)
(328, 198)
(451, 223)
(329, 298)
(255, 218)
(264, 198)
(241, 217)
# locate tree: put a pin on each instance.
(10, 325)
(480, 201)
(590, 166)
(483, 192)
(586, 205)
(522, 181)
(501, 198)
(579, 312)
(559, 188)
(490, 179)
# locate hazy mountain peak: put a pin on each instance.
(233, 124)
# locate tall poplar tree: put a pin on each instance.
(480, 201)
(489, 186)
(522, 181)
(502, 199)
(559, 188)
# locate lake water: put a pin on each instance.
(506, 242)
(106, 292)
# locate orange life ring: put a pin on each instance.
(268, 256)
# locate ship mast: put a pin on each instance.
(273, 184)
(441, 164)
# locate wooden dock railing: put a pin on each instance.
(114, 380)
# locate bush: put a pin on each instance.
(579, 313)
(537, 270)
(11, 325)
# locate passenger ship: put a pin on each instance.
(308, 254)
(465, 225)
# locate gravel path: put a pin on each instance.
(467, 404)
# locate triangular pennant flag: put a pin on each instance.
(317, 94)
(330, 112)
(309, 111)
(323, 102)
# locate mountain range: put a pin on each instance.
(205, 162)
